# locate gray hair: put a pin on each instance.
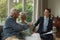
(13, 10)
(23, 13)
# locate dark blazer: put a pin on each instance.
(40, 21)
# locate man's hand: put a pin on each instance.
(32, 32)
(31, 24)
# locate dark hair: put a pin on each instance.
(48, 10)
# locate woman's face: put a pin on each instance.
(46, 13)
(23, 17)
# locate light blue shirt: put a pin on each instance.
(45, 23)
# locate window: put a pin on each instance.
(17, 4)
(20, 5)
(27, 7)
(3, 11)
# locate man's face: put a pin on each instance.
(16, 14)
(46, 13)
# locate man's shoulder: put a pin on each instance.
(9, 18)
(41, 17)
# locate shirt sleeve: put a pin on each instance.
(11, 24)
(38, 21)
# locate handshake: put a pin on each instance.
(29, 30)
(32, 27)
(31, 24)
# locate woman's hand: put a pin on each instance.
(23, 32)
(32, 32)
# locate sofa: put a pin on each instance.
(1, 29)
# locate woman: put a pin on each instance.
(27, 34)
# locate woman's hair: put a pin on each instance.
(48, 10)
(22, 13)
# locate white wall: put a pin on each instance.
(55, 6)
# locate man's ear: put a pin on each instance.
(14, 14)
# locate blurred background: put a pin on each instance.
(34, 9)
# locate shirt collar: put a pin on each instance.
(46, 17)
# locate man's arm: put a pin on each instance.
(11, 24)
(51, 24)
(38, 21)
